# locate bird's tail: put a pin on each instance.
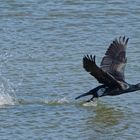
(85, 94)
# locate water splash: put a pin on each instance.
(6, 100)
(7, 93)
(91, 103)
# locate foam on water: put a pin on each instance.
(7, 94)
(91, 103)
(6, 99)
(56, 101)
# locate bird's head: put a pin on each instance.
(137, 86)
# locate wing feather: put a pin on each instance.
(115, 59)
(103, 77)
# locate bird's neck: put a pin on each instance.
(131, 88)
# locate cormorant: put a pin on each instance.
(111, 71)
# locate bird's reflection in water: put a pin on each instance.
(104, 115)
(103, 122)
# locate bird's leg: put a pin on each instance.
(90, 99)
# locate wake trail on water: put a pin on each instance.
(67, 101)
(58, 101)
(63, 100)
(43, 101)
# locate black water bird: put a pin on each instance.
(111, 71)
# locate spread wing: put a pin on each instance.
(115, 59)
(103, 77)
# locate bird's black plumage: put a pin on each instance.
(115, 58)
(111, 71)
